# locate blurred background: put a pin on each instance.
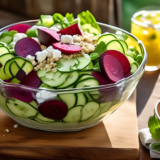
(114, 12)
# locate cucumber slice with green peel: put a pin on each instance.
(7, 38)
(104, 107)
(115, 45)
(43, 85)
(87, 83)
(58, 26)
(40, 121)
(71, 86)
(73, 115)
(15, 80)
(85, 72)
(69, 99)
(46, 20)
(1, 44)
(14, 68)
(41, 73)
(89, 110)
(34, 104)
(54, 79)
(124, 44)
(89, 98)
(134, 67)
(130, 59)
(81, 99)
(84, 77)
(72, 78)
(95, 96)
(89, 67)
(20, 109)
(4, 50)
(44, 119)
(27, 67)
(106, 38)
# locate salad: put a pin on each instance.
(63, 52)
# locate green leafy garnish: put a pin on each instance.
(155, 146)
(88, 23)
(101, 48)
(154, 127)
(32, 32)
(69, 17)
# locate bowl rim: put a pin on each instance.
(155, 110)
(85, 89)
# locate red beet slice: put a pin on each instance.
(20, 28)
(111, 67)
(7, 80)
(71, 30)
(20, 75)
(53, 109)
(101, 78)
(31, 80)
(19, 94)
(66, 48)
(48, 36)
(122, 59)
(27, 46)
(127, 74)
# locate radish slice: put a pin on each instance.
(122, 59)
(66, 48)
(53, 109)
(31, 80)
(48, 36)
(19, 94)
(71, 30)
(111, 67)
(27, 46)
(101, 78)
(20, 28)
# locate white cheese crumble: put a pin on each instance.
(67, 39)
(52, 27)
(30, 58)
(6, 130)
(15, 126)
(49, 52)
(43, 95)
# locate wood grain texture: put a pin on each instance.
(114, 139)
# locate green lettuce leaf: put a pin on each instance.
(155, 146)
(88, 23)
(154, 127)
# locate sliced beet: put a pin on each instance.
(20, 75)
(127, 74)
(7, 80)
(111, 67)
(31, 80)
(101, 78)
(48, 36)
(54, 109)
(20, 28)
(66, 48)
(122, 59)
(71, 30)
(1, 65)
(19, 94)
(27, 46)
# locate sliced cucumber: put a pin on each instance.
(44, 119)
(46, 20)
(104, 107)
(81, 99)
(89, 110)
(34, 104)
(115, 45)
(4, 50)
(6, 38)
(69, 99)
(27, 67)
(87, 83)
(85, 72)
(134, 67)
(124, 44)
(15, 80)
(89, 67)
(85, 77)
(58, 26)
(72, 78)
(95, 96)
(14, 68)
(89, 98)
(43, 85)
(20, 109)
(73, 115)
(106, 38)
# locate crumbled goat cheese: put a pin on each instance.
(43, 95)
(67, 39)
(54, 28)
(30, 58)
(15, 126)
(41, 56)
(7, 130)
(16, 38)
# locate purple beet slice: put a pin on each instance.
(48, 36)
(7, 80)
(27, 46)
(19, 94)
(54, 109)
(20, 75)
(20, 28)
(111, 67)
(127, 74)
(71, 30)
(66, 48)
(31, 80)
(1, 65)
(122, 59)
(101, 78)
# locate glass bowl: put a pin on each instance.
(103, 100)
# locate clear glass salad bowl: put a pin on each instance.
(106, 98)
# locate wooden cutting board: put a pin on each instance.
(116, 138)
